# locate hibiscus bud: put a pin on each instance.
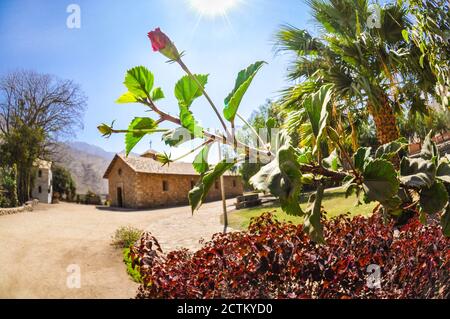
(162, 43)
(106, 130)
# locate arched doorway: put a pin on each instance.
(119, 197)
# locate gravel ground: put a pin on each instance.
(38, 247)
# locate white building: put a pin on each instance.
(42, 189)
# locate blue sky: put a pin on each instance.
(113, 38)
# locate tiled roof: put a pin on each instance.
(148, 165)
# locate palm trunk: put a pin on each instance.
(385, 123)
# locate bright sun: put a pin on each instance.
(213, 8)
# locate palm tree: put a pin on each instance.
(371, 70)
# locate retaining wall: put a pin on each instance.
(28, 207)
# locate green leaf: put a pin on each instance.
(307, 179)
(127, 98)
(139, 81)
(433, 199)
(271, 123)
(392, 204)
(243, 81)
(380, 180)
(157, 94)
(417, 172)
(282, 177)
(361, 157)
(332, 162)
(176, 136)
(311, 224)
(389, 150)
(305, 156)
(188, 122)
(136, 133)
(200, 163)
(423, 218)
(429, 149)
(333, 135)
(422, 57)
(445, 222)
(187, 90)
(316, 106)
(198, 194)
(350, 189)
(443, 172)
(405, 35)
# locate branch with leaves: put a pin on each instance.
(421, 183)
(140, 84)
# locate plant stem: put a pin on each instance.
(185, 68)
(221, 138)
(164, 116)
(194, 150)
(222, 191)
(253, 130)
(319, 170)
(140, 131)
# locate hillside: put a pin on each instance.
(87, 164)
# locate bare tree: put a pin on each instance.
(41, 100)
(50, 106)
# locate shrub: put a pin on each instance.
(8, 187)
(92, 198)
(126, 236)
(63, 183)
(132, 271)
(278, 260)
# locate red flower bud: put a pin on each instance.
(161, 42)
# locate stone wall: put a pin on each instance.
(150, 192)
(28, 207)
(123, 177)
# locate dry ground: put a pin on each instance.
(37, 247)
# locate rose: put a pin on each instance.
(161, 42)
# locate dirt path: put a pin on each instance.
(37, 247)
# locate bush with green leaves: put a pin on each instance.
(402, 186)
(8, 187)
(63, 182)
(134, 272)
(126, 236)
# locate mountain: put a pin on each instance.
(91, 149)
(87, 163)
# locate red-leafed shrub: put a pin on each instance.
(277, 260)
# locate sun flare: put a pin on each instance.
(213, 8)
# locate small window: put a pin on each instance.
(40, 189)
(234, 183)
(120, 172)
(165, 186)
(216, 185)
(39, 173)
(192, 184)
